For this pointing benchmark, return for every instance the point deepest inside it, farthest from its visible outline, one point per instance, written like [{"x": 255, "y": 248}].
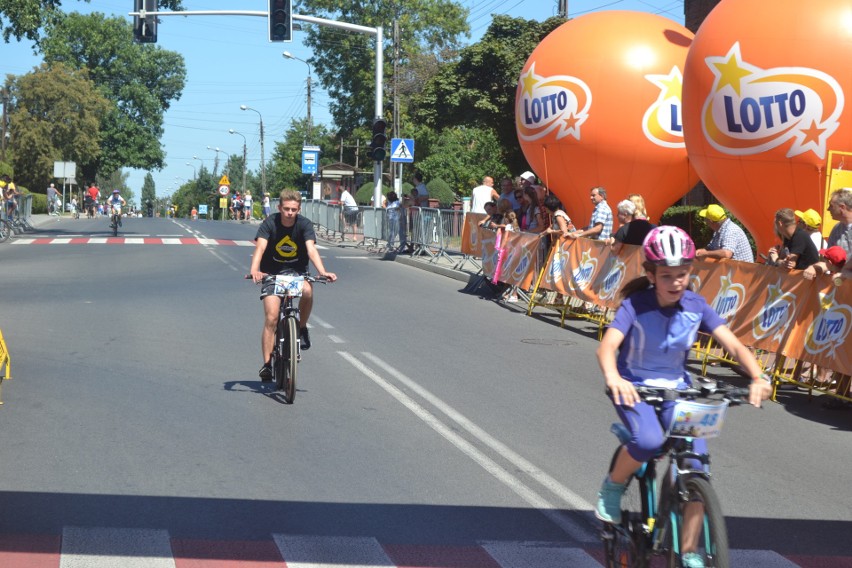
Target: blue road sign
[
  {"x": 310, "y": 159},
  {"x": 402, "y": 150}
]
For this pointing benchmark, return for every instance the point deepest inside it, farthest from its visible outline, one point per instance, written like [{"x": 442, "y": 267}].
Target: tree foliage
[
  {"x": 478, "y": 90},
  {"x": 149, "y": 190},
  {"x": 28, "y": 18},
  {"x": 285, "y": 167},
  {"x": 55, "y": 117},
  {"x": 345, "y": 61},
  {"x": 140, "y": 80}
]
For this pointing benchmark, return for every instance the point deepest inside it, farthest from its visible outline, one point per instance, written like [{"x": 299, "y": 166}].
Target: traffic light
[
  {"x": 377, "y": 143},
  {"x": 280, "y": 22},
  {"x": 145, "y": 28}
]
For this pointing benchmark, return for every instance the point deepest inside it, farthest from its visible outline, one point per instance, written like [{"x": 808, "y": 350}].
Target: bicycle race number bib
[
  {"x": 692, "y": 419},
  {"x": 289, "y": 285}
]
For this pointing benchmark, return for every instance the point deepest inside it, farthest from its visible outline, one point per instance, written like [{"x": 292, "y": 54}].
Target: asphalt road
[{"x": 424, "y": 416}]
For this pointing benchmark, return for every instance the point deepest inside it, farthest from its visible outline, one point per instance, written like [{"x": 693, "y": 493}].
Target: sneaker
[
  {"x": 609, "y": 502},
  {"x": 265, "y": 373},
  {"x": 305, "y": 338},
  {"x": 691, "y": 560}
]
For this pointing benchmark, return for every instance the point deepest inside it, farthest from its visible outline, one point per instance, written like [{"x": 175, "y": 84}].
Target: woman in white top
[
  {"x": 248, "y": 207},
  {"x": 562, "y": 224}
]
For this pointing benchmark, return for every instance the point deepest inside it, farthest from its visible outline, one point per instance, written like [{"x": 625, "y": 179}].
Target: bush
[
  {"x": 440, "y": 190},
  {"x": 39, "y": 201},
  {"x": 364, "y": 195}
]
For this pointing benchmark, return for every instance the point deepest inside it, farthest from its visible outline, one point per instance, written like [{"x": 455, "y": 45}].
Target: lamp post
[
  {"x": 194, "y": 172},
  {"x": 200, "y": 160},
  {"x": 216, "y": 161},
  {"x": 289, "y": 55},
  {"x": 232, "y": 131},
  {"x": 262, "y": 166}
]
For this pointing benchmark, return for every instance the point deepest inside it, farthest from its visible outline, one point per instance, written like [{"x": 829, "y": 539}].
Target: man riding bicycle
[
  {"x": 115, "y": 203},
  {"x": 293, "y": 243}
]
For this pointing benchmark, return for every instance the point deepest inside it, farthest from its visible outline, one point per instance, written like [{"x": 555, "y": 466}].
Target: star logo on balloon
[
  {"x": 558, "y": 103},
  {"x": 663, "y": 123},
  {"x": 750, "y": 110}
]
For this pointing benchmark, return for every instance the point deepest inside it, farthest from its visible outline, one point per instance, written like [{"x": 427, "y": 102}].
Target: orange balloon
[
  {"x": 598, "y": 104},
  {"x": 764, "y": 102}
]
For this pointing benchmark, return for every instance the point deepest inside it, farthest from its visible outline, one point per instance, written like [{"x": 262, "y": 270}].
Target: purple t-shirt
[{"x": 657, "y": 340}]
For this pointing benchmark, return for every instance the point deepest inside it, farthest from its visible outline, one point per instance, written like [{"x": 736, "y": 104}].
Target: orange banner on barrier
[
  {"x": 765, "y": 307},
  {"x": 470, "y": 243}
]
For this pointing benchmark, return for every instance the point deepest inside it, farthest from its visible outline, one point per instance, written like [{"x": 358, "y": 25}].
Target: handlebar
[
  {"x": 308, "y": 278},
  {"x": 721, "y": 391}
]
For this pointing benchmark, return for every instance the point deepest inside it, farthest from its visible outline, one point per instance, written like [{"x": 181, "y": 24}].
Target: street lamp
[
  {"x": 232, "y": 131},
  {"x": 200, "y": 160},
  {"x": 194, "y": 173},
  {"x": 262, "y": 166},
  {"x": 289, "y": 55},
  {"x": 216, "y": 160}
]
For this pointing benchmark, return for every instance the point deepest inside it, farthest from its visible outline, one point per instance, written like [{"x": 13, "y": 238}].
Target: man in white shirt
[
  {"x": 350, "y": 209},
  {"x": 482, "y": 194}
]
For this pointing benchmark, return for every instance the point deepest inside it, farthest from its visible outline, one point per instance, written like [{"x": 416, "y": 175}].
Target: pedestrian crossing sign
[{"x": 402, "y": 150}]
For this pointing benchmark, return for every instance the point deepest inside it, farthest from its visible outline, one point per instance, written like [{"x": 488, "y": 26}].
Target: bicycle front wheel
[
  {"x": 285, "y": 364},
  {"x": 5, "y": 231},
  {"x": 699, "y": 520}
]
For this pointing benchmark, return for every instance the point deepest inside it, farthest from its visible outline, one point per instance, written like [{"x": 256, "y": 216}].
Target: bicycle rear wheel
[
  {"x": 712, "y": 536},
  {"x": 5, "y": 231}
]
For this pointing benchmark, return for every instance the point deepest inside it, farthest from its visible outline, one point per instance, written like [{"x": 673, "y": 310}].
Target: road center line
[{"x": 548, "y": 509}]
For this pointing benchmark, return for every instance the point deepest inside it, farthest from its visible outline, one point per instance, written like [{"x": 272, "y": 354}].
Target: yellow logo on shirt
[{"x": 286, "y": 248}]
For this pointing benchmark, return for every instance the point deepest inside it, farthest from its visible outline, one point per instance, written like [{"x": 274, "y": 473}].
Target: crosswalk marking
[
  {"x": 131, "y": 241},
  {"x": 101, "y": 547},
  {"x": 110, "y": 547},
  {"x": 330, "y": 552}
]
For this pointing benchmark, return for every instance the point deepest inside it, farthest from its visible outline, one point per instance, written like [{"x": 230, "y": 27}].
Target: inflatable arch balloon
[
  {"x": 764, "y": 101},
  {"x": 598, "y": 103}
]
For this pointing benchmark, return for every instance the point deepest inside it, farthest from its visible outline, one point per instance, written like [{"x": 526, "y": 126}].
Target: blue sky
[{"x": 230, "y": 63}]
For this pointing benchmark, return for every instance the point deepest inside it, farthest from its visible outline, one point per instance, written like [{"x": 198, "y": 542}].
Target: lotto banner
[
  {"x": 765, "y": 307},
  {"x": 588, "y": 270},
  {"x": 519, "y": 252},
  {"x": 471, "y": 244}
]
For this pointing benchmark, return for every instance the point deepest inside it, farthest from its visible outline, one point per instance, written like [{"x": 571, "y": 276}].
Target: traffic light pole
[{"x": 379, "y": 109}]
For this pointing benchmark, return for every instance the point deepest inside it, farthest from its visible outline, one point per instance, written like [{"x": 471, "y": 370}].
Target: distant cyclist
[
  {"x": 115, "y": 202},
  {"x": 286, "y": 241}
]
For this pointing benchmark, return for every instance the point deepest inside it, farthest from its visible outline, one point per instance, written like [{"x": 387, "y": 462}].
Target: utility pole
[
  {"x": 563, "y": 8},
  {"x": 5, "y": 100},
  {"x": 396, "y": 169}
]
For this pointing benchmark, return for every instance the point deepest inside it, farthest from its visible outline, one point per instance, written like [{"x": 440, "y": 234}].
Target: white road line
[
  {"x": 521, "y": 463},
  {"x": 111, "y": 547},
  {"x": 134, "y": 241},
  {"x": 538, "y": 555},
  {"x": 545, "y": 507},
  {"x": 335, "y": 339},
  {"x": 60, "y": 241},
  {"x": 321, "y": 323},
  {"x": 171, "y": 241},
  {"x": 331, "y": 552}
]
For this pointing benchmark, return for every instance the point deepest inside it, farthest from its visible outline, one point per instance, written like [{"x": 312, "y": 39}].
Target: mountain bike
[
  {"x": 5, "y": 230},
  {"x": 116, "y": 221},
  {"x": 286, "y": 351},
  {"x": 654, "y": 515}
]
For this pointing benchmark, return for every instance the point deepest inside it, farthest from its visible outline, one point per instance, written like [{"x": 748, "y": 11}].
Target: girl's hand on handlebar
[
  {"x": 330, "y": 276},
  {"x": 758, "y": 391},
  {"x": 622, "y": 391},
  {"x": 257, "y": 276}
]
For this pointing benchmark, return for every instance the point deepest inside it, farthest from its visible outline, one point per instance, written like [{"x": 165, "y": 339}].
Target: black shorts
[{"x": 351, "y": 215}]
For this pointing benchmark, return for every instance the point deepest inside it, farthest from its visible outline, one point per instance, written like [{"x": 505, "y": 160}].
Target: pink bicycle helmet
[{"x": 668, "y": 246}]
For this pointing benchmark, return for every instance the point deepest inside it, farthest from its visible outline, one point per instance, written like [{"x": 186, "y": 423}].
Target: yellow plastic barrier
[{"x": 5, "y": 363}]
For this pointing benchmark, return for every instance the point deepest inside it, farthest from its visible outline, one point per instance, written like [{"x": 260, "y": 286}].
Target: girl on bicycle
[{"x": 647, "y": 343}]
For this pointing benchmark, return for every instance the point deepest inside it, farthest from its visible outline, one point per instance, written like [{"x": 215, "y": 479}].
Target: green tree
[
  {"x": 141, "y": 81},
  {"x": 29, "y": 18},
  {"x": 55, "y": 116},
  {"x": 461, "y": 156},
  {"x": 345, "y": 61},
  {"x": 285, "y": 168},
  {"x": 478, "y": 90},
  {"x": 149, "y": 190}
]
